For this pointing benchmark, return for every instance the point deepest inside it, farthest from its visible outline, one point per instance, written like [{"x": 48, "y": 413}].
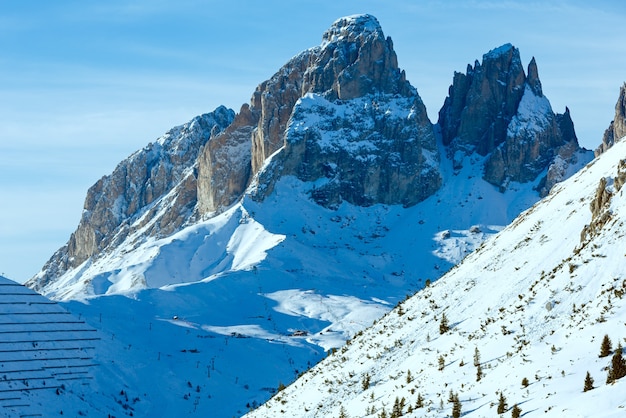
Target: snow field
[{"x": 534, "y": 300}]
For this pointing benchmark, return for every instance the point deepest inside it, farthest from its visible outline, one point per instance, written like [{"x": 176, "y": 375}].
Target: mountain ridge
[
  {"x": 385, "y": 149},
  {"x": 497, "y": 109},
  {"x": 318, "y": 207}
]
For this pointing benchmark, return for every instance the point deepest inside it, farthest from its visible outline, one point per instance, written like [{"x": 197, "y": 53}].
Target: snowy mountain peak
[
  {"x": 289, "y": 227},
  {"x": 351, "y": 28},
  {"x": 355, "y": 59},
  {"x": 355, "y": 62},
  {"x": 496, "y": 53}
]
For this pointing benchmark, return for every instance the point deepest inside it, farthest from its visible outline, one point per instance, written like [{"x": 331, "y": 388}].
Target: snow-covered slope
[
  {"x": 534, "y": 301},
  {"x": 282, "y": 280}
]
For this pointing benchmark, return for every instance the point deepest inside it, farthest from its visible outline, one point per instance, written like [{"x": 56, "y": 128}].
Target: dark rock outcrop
[
  {"x": 617, "y": 127},
  {"x": 481, "y": 103},
  {"x": 498, "y": 111},
  {"x": 361, "y": 132},
  {"x": 370, "y": 150},
  {"x": 601, "y": 212}
]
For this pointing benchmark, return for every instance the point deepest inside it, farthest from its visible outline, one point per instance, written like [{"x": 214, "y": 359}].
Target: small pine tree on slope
[
  {"x": 456, "y": 406},
  {"x": 617, "y": 370},
  {"x": 516, "y": 412},
  {"x": 343, "y": 413},
  {"x": 605, "y": 347},
  {"x": 588, "y": 383},
  {"x": 420, "y": 401},
  {"x": 444, "y": 326},
  {"x": 501, "y": 404}
]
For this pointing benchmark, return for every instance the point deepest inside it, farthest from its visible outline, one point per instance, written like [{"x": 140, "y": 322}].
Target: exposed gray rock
[
  {"x": 617, "y": 127},
  {"x": 375, "y": 149},
  {"x": 153, "y": 190},
  {"x": 601, "y": 212},
  {"x": 354, "y": 60},
  {"x": 497, "y": 111},
  {"x": 224, "y": 164},
  {"x": 481, "y": 103}
]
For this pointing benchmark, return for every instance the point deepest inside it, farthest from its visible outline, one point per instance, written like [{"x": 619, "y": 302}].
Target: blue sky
[{"x": 84, "y": 83}]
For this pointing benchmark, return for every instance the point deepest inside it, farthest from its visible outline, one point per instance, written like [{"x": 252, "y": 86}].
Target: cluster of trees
[{"x": 617, "y": 368}]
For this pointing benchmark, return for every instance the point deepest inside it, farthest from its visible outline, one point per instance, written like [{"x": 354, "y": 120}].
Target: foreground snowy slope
[{"x": 534, "y": 302}]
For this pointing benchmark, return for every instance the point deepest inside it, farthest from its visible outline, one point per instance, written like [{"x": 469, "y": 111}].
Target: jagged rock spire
[
  {"x": 498, "y": 111},
  {"x": 617, "y": 127},
  {"x": 533, "y": 78},
  {"x": 355, "y": 59},
  {"x": 481, "y": 103}
]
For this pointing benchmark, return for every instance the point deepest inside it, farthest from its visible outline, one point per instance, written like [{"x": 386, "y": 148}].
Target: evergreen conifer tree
[
  {"x": 343, "y": 413},
  {"x": 516, "y": 412},
  {"x": 451, "y": 396},
  {"x": 476, "y": 357},
  {"x": 443, "y": 325},
  {"x": 588, "y": 383},
  {"x": 420, "y": 401},
  {"x": 456, "y": 406},
  {"x": 605, "y": 347},
  {"x": 617, "y": 369},
  {"x": 479, "y": 372},
  {"x": 501, "y": 404},
  {"x": 396, "y": 411},
  {"x": 365, "y": 383}
]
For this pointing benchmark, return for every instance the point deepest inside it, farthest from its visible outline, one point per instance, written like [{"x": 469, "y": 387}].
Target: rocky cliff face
[
  {"x": 205, "y": 166},
  {"x": 617, "y": 127},
  {"x": 355, "y": 60},
  {"x": 482, "y": 102},
  {"x": 498, "y": 111},
  {"x": 152, "y": 193},
  {"x": 375, "y": 149},
  {"x": 361, "y": 132}
]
